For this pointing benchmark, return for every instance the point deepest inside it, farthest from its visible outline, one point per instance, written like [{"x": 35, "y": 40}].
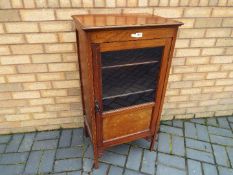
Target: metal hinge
[{"x": 97, "y": 107}]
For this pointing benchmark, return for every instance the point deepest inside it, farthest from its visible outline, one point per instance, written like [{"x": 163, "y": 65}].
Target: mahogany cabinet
[{"x": 124, "y": 63}]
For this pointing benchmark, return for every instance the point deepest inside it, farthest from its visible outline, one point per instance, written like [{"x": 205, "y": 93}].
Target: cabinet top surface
[{"x": 108, "y": 21}]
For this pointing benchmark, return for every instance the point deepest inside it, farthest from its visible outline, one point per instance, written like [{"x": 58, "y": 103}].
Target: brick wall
[{"x": 39, "y": 81}]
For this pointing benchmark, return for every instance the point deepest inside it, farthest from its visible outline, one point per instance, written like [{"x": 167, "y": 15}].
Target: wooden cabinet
[{"x": 124, "y": 63}]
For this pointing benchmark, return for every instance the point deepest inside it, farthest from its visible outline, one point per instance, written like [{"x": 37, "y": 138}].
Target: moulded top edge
[{"x": 108, "y": 21}]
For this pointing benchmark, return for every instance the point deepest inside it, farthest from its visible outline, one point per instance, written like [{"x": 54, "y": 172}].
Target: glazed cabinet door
[{"x": 128, "y": 78}]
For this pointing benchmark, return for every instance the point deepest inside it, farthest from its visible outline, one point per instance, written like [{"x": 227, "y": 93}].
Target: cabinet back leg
[
  {"x": 86, "y": 130},
  {"x": 152, "y": 143}
]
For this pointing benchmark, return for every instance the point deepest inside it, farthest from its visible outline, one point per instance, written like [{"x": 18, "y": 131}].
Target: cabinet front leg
[{"x": 96, "y": 156}]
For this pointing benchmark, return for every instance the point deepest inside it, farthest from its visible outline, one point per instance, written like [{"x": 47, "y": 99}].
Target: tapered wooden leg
[
  {"x": 152, "y": 143},
  {"x": 96, "y": 156}
]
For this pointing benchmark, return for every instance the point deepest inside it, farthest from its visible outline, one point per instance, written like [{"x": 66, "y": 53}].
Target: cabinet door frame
[{"x": 97, "y": 72}]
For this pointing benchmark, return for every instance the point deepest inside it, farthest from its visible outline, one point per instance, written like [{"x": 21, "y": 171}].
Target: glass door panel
[{"x": 129, "y": 77}]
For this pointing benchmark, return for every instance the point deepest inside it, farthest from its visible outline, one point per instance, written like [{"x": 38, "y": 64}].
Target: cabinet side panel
[
  {"x": 155, "y": 127},
  {"x": 87, "y": 78}
]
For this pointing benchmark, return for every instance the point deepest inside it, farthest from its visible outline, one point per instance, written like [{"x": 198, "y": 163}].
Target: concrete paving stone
[
  {"x": 89, "y": 152},
  {"x": 27, "y": 142},
  {"x": 171, "y": 130},
  {"x": 166, "y": 170},
  {"x": 164, "y": 143},
  {"x": 148, "y": 162},
  {"x": 115, "y": 170},
  {"x": 199, "y": 145},
  {"x": 5, "y": 138},
  {"x": 132, "y": 172},
  {"x": 194, "y": 167},
  {"x": 225, "y": 171},
  {"x": 221, "y": 155},
  {"x": 142, "y": 143},
  {"x": 11, "y": 169},
  {"x": 86, "y": 142},
  {"x": 211, "y": 121},
  {"x": 45, "y": 144},
  {"x": 14, "y": 158},
  {"x": 33, "y": 162},
  {"x": 46, "y": 163},
  {"x": 168, "y": 122},
  {"x": 178, "y": 145},
  {"x": 14, "y": 143},
  {"x": 65, "y": 153},
  {"x": 68, "y": 165},
  {"x": 231, "y": 124},
  {"x": 113, "y": 158},
  {"x": 87, "y": 164},
  {"x": 102, "y": 170},
  {"x": 221, "y": 140},
  {"x": 199, "y": 121},
  {"x": 75, "y": 173},
  {"x": 120, "y": 149},
  {"x": 134, "y": 158},
  {"x": 230, "y": 119},
  {"x": 220, "y": 131},
  {"x": 47, "y": 135},
  {"x": 190, "y": 130},
  {"x": 65, "y": 139},
  {"x": 171, "y": 160},
  {"x": 2, "y": 148},
  {"x": 199, "y": 155},
  {"x": 178, "y": 123},
  {"x": 77, "y": 137},
  {"x": 202, "y": 133},
  {"x": 223, "y": 123},
  {"x": 209, "y": 169},
  {"x": 230, "y": 154}
]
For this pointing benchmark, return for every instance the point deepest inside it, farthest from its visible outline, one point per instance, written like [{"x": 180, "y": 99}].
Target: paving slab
[
  {"x": 220, "y": 155},
  {"x": 209, "y": 169},
  {"x": 45, "y": 144},
  {"x": 68, "y": 165},
  {"x": 184, "y": 147},
  {"x": 134, "y": 158},
  {"x": 5, "y": 138},
  {"x": 115, "y": 170},
  {"x": 148, "y": 162},
  {"x": 14, "y": 158},
  {"x": 200, "y": 155},
  {"x": 14, "y": 143},
  {"x": 166, "y": 170},
  {"x": 113, "y": 158},
  {"x": 172, "y": 161},
  {"x": 194, "y": 167},
  {"x": 65, "y": 139},
  {"x": 47, "y": 135}
]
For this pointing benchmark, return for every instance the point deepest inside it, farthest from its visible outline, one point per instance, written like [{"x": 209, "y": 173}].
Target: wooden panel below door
[{"x": 127, "y": 122}]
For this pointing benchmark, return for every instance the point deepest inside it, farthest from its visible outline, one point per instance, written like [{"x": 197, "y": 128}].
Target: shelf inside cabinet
[
  {"x": 124, "y": 80},
  {"x": 128, "y": 100},
  {"x": 131, "y": 57},
  {"x": 131, "y": 64}
]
